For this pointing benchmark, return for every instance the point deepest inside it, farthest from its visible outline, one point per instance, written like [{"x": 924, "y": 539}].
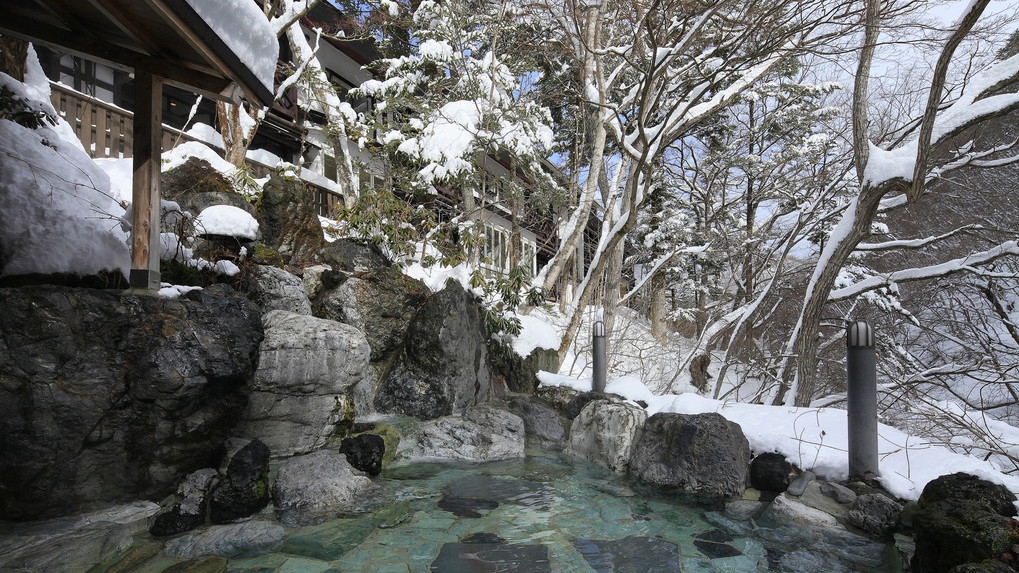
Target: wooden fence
[{"x": 105, "y": 130}]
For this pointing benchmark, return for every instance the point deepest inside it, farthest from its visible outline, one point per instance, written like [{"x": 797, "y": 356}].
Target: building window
[{"x": 495, "y": 252}]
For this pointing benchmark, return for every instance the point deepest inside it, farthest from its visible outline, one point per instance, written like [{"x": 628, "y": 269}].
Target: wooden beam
[
  {"x": 206, "y": 84},
  {"x": 148, "y": 133}
]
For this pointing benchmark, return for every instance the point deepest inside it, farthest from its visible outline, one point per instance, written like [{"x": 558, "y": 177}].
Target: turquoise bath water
[{"x": 550, "y": 514}]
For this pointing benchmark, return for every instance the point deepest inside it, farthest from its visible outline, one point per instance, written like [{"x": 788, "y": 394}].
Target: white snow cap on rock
[{"x": 227, "y": 220}]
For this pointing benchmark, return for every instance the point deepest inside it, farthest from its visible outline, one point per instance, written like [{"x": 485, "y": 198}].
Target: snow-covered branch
[{"x": 962, "y": 264}]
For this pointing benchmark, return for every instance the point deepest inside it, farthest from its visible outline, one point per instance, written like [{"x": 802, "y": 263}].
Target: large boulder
[
  {"x": 273, "y": 288},
  {"x": 961, "y": 519},
  {"x": 546, "y": 428},
  {"x": 289, "y": 220},
  {"x": 379, "y": 303},
  {"x": 605, "y": 432},
  {"x": 319, "y": 486},
  {"x": 352, "y": 257},
  {"x": 481, "y": 434},
  {"x": 301, "y": 392},
  {"x": 700, "y": 454},
  {"x": 244, "y": 539},
  {"x": 442, "y": 366},
  {"x": 73, "y": 544},
  {"x": 106, "y": 397},
  {"x": 516, "y": 373}
]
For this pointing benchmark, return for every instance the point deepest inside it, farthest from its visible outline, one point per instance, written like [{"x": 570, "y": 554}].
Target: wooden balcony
[{"x": 105, "y": 131}]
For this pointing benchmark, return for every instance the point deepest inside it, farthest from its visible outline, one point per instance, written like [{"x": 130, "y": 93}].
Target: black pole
[
  {"x": 598, "y": 352},
  {"x": 861, "y": 370}
]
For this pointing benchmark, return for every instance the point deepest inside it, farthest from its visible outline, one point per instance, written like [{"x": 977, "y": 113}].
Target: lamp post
[
  {"x": 598, "y": 352},
  {"x": 861, "y": 371}
]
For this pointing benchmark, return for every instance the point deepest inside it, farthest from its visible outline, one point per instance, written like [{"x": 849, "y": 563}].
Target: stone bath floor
[
  {"x": 543, "y": 514},
  {"x": 546, "y": 514}
]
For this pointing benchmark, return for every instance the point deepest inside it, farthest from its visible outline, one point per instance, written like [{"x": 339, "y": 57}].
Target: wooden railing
[{"x": 105, "y": 130}]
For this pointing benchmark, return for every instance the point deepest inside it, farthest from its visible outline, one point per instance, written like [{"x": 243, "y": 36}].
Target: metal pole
[
  {"x": 598, "y": 350},
  {"x": 861, "y": 370}
]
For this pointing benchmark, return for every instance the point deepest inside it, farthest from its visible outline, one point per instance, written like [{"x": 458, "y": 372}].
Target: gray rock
[
  {"x": 307, "y": 370},
  {"x": 545, "y": 428},
  {"x": 305, "y": 355},
  {"x": 272, "y": 288},
  {"x": 380, "y": 303},
  {"x": 288, "y": 220},
  {"x": 605, "y": 433},
  {"x": 876, "y": 514},
  {"x": 292, "y": 425},
  {"x": 799, "y": 485},
  {"x": 106, "y": 396},
  {"x": 813, "y": 497},
  {"x": 481, "y": 434},
  {"x": 442, "y": 366},
  {"x": 702, "y": 454},
  {"x": 319, "y": 486},
  {"x": 838, "y": 492},
  {"x": 73, "y": 544},
  {"x": 786, "y": 509},
  {"x": 346, "y": 255},
  {"x": 189, "y": 511},
  {"x": 234, "y": 540}
]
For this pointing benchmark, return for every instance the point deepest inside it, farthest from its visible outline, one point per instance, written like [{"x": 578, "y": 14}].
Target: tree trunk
[
  {"x": 237, "y": 126},
  {"x": 13, "y": 57},
  {"x": 657, "y": 312}
]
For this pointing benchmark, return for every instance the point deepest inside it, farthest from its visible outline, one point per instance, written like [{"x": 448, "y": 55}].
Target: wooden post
[{"x": 148, "y": 132}]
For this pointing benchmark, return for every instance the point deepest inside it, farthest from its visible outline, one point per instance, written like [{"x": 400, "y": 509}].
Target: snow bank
[
  {"x": 59, "y": 213},
  {"x": 813, "y": 438}
]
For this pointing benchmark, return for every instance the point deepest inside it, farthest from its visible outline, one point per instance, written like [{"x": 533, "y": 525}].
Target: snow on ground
[{"x": 813, "y": 438}]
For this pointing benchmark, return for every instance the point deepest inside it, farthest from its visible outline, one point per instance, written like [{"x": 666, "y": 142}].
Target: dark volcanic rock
[
  {"x": 244, "y": 490},
  {"x": 107, "y": 397},
  {"x": 702, "y": 454},
  {"x": 380, "y": 303},
  {"x": 770, "y": 472},
  {"x": 364, "y": 452},
  {"x": 348, "y": 256},
  {"x": 961, "y": 519},
  {"x": 442, "y": 367},
  {"x": 991, "y": 496},
  {"x": 288, "y": 219}
]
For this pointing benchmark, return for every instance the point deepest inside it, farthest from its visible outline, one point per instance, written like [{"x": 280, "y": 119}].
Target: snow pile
[
  {"x": 59, "y": 213},
  {"x": 246, "y": 31}
]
